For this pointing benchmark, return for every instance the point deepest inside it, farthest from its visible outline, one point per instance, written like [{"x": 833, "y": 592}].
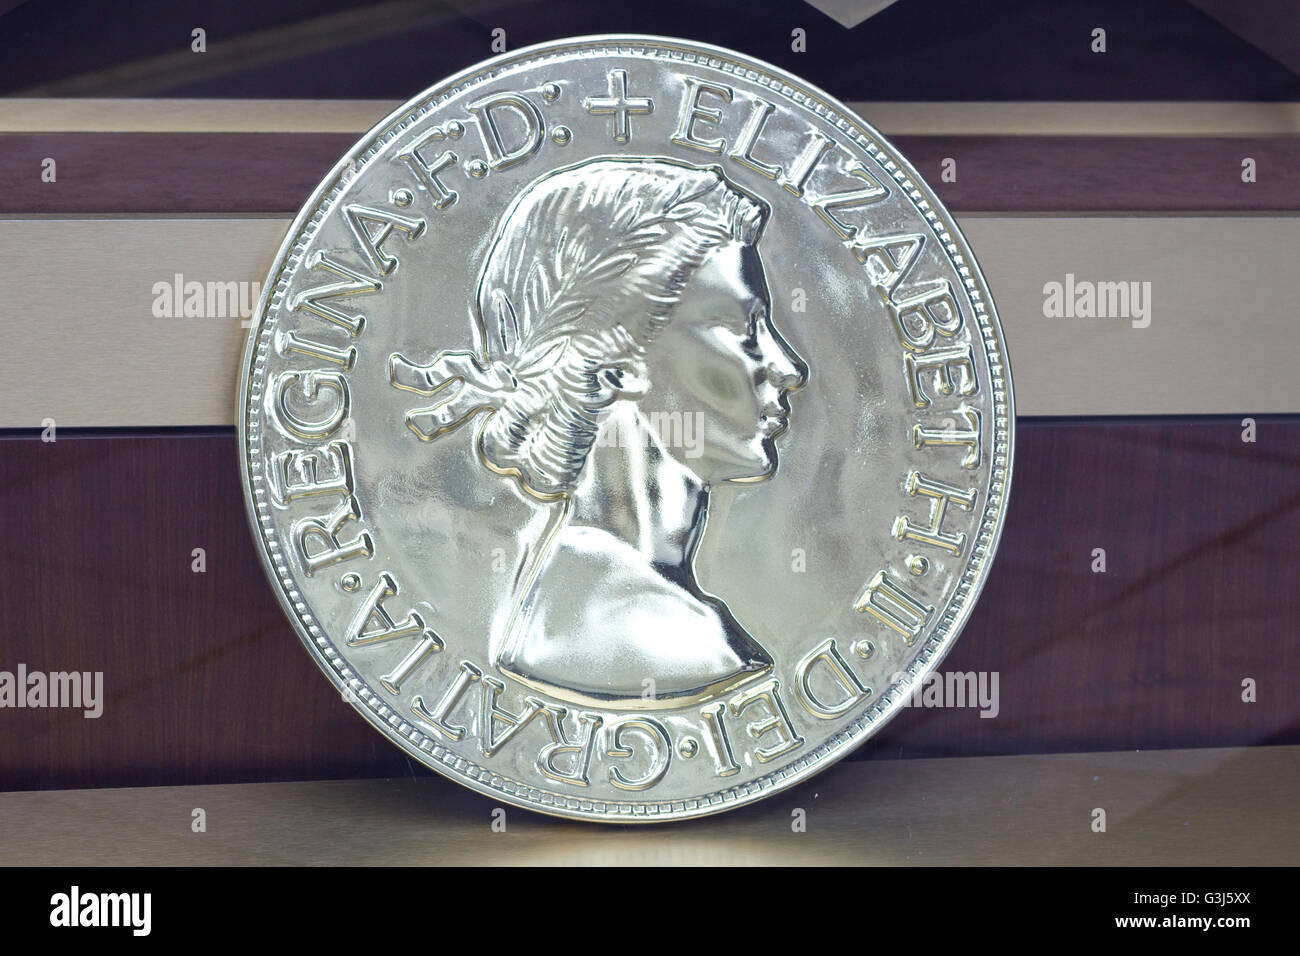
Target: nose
[{"x": 786, "y": 370}]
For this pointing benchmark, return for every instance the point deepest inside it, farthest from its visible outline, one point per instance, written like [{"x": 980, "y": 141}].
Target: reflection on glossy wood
[{"x": 1165, "y": 808}]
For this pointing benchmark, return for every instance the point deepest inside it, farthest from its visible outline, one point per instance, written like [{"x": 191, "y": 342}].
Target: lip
[{"x": 776, "y": 416}]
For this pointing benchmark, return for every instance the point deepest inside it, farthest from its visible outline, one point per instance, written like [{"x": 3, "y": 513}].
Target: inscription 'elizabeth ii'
[{"x": 611, "y": 285}]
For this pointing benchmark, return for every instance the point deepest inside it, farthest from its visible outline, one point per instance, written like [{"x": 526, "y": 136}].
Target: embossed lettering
[
  {"x": 692, "y": 111},
  {"x": 430, "y": 173},
  {"x": 940, "y": 495},
  {"x": 429, "y": 645},
  {"x": 373, "y": 613},
  {"x": 313, "y": 382},
  {"x": 307, "y": 464},
  {"x": 499, "y": 156},
  {"x": 492, "y": 713},
  {"x": 969, "y": 436},
  {"x": 355, "y": 284},
  {"x": 871, "y": 193},
  {"x": 777, "y": 721},
  {"x": 658, "y": 743},
  {"x": 325, "y": 531},
  {"x": 714, "y": 717},
  {"x": 288, "y": 343},
  {"x": 797, "y": 177},
  {"x": 437, "y": 718},
  {"x": 827, "y": 654},
  {"x": 744, "y": 149},
  {"x": 884, "y": 600},
  {"x": 920, "y": 318},
  {"x": 944, "y": 362},
  {"x": 579, "y": 773},
  {"x": 888, "y": 258},
  {"x": 361, "y": 218}
]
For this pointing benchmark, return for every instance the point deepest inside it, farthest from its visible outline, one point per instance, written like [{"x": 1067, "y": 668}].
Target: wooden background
[
  {"x": 276, "y": 173},
  {"x": 206, "y": 682}
]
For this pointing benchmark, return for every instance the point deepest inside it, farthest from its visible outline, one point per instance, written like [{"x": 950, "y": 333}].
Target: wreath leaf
[
  {"x": 604, "y": 269},
  {"x": 562, "y": 289}
]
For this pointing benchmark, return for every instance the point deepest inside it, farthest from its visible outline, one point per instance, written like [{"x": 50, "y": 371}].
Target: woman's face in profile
[{"x": 722, "y": 364}]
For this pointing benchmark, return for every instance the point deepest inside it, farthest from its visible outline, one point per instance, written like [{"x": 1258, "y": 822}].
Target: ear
[{"x": 626, "y": 380}]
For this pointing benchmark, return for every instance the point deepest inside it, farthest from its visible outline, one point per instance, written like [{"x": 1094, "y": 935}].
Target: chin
[{"x": 763, "y": 466}]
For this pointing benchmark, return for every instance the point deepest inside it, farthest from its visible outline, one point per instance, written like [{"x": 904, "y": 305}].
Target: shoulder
[
  {"x": 609, "y": 583},
  {"x": 602, "y": 622}
]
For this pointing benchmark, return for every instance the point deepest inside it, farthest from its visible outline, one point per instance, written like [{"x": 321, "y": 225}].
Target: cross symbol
[{"x": 619, "y": 105}]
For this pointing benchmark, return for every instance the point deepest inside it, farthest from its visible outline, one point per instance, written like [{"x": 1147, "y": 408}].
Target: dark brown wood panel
[
  {"x": 936, "y": 50},
  {"x": 230, "y": 173},
  {"x": 205, "y": 681}
]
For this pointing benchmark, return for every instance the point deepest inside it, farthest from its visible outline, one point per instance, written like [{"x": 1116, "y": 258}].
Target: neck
[{"x": 635, "y": 490}]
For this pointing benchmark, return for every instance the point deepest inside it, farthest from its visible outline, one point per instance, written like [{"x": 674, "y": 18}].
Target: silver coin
[{"x": 626, "y": 428}]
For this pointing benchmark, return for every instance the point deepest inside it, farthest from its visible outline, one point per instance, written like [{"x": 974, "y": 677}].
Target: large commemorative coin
[{"x": 626, "y": 428}]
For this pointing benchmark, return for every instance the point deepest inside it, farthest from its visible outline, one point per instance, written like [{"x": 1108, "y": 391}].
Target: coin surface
[{"x": 626, "y": 428}]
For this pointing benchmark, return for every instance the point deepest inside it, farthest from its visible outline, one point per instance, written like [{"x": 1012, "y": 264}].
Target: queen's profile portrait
[{"x": 617, "y": 294}]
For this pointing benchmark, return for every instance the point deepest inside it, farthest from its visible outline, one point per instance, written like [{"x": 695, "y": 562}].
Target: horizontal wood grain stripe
[
  {"x": 85, "y": 348},
  {"x": 1163, "y": 808},
  {"x": 205, "y": 681},
  {"x": 165, "y": 173},
  {"x": 131, "y": 115},
  {"x": 176, "y": 172},
  {"x": 893, "y": 118}
]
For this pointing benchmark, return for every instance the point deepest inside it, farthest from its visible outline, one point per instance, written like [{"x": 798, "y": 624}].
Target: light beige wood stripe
[
  {"x": 51, "y": 115},
  {"x": 84, "y": 347},
  {"x": 967, "y": 811}
]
